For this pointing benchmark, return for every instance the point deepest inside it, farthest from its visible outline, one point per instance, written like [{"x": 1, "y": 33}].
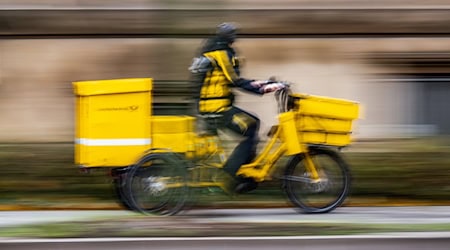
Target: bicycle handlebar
[{"x": 282, "y": 97}]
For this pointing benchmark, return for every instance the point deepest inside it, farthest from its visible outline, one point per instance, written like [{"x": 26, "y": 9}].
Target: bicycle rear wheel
[
  {"x": 317, "y": 196},
  {"x": 119, "y": 188},
  {"x": 157, "y": 185}
]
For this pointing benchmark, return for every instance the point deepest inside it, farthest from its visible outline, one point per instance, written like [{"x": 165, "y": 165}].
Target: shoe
[{"x": 246, "y": 185}]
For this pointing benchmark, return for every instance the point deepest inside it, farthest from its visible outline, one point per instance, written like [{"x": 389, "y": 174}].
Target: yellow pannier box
[
  {"x": 176, "y": 133},
  {"x": 112, "y": 127},
  {"x": 324, "y": 120}
]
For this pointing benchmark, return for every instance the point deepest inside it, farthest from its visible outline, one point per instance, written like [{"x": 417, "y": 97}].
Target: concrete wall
[{"x": 324, "y": 47}]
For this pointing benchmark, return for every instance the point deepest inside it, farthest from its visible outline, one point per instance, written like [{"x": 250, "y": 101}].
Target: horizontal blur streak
[
  {"x": 340, "y": 49},
  {"x": 225, "y": 4},
  {"x": 198, "y": 22}
]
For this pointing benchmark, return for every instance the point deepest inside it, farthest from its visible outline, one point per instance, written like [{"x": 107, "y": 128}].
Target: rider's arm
[{"x": 223, "y": 60}]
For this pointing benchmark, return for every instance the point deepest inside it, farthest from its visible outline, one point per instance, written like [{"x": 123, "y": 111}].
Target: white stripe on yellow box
[{"x": 113, "y": 142}]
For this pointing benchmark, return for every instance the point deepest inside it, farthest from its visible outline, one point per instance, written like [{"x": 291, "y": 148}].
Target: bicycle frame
[{"x": 262, "y": 167}]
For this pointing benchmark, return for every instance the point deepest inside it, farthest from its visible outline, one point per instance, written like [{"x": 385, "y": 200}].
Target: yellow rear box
[
  {"x": 176, "y": 133},
  {"x": 112, "y": 127},
  {"x": 324, "y": 120}
]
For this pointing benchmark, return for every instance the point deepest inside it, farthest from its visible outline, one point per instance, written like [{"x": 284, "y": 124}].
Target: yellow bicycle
[{"x": 311, "y": 130}]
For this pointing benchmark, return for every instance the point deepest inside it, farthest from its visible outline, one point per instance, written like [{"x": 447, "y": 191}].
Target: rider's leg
[{"x": 247, "y": 125}]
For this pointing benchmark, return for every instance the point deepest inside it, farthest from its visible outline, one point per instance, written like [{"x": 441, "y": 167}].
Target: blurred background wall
[{"x": 391, "y": 56}]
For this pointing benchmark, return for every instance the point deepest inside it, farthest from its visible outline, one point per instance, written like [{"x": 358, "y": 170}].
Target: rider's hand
[
  {"x": 258, "y": 83},
  {"x": 272, "y": 87}
]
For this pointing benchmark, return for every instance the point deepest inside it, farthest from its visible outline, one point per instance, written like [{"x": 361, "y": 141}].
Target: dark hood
[{"x": 215, "y": 43}]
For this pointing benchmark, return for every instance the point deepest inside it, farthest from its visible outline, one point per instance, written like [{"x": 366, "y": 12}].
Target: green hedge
[{"x": 45, "y": 172}]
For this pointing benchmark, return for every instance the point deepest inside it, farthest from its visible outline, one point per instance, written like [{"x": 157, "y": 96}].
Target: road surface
[
  {"x": 377, "y": 242},
  {"x": 363, "y": 215}
]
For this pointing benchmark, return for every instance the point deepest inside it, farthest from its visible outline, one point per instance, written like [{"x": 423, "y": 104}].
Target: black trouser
[{"x": 246, "y": 125}]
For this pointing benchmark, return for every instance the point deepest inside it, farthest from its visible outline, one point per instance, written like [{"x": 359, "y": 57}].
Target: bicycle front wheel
[
  {"x": 157, "y": 185},
  {"x": 321, "y": 195}
]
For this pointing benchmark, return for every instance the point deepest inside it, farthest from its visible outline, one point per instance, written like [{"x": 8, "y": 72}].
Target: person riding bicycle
[{"x": 216, "y": 70}]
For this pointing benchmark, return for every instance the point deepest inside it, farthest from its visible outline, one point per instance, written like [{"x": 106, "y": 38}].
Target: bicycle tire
[
  {"x": 322, "y": 196},
  {"x": 119, "y": 189},
  {"x": 157, "y": 184}
]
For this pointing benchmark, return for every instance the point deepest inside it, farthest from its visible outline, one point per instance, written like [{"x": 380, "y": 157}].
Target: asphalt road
[
  {"x": 380, "y": 242},
  {"x": 363, "y": 215}
]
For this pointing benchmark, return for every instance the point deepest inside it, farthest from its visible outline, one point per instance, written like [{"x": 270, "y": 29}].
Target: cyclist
[{"x": 216, "y": 71}]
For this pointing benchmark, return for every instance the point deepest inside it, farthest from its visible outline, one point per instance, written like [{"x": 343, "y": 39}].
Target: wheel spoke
[{"x": 297, "y": 179}]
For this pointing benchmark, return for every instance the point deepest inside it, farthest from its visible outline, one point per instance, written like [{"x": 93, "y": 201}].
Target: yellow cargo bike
[{"x": 157, "y": 160}]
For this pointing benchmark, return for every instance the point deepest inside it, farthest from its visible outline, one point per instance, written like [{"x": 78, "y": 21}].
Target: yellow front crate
[
  {"x": 112, "y": 127},
  {"x": 176, "y": 133},
  {"x": 324, "y": 120},
  {"x": 326, "y": 107}
]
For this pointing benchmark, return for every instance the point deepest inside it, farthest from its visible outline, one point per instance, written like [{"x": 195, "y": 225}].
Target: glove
[
  {"x": 271, "y": 87},
  {"x": 258, "y": 83}
]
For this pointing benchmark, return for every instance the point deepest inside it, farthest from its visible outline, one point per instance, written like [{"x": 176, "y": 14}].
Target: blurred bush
[{"x": 43, "y": 174}]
